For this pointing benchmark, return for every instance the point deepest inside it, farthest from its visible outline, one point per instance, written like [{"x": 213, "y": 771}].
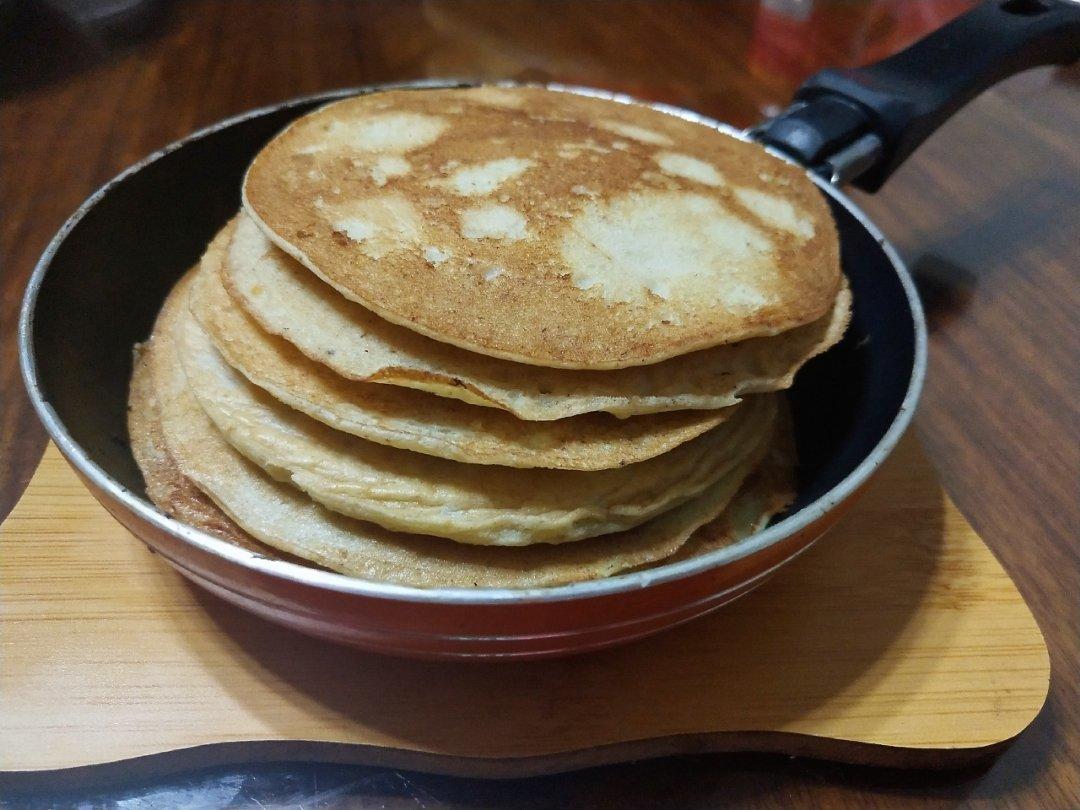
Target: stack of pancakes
[{"x": 491, "y": 337}]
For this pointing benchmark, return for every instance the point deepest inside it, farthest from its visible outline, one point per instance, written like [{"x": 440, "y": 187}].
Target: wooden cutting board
[{"x": 898, "y": 640}]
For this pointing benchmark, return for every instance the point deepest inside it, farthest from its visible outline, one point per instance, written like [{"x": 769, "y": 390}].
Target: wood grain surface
[
  {"x": 987, "y": 214},
  {"x": 899, "y": 640}
]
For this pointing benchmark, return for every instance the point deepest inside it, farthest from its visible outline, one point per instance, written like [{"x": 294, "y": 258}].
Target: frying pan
[{"x": 99, "y": 285}]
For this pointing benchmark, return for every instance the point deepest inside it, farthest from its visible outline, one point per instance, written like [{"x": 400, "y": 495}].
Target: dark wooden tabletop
[{"x": 987, "y": 213}]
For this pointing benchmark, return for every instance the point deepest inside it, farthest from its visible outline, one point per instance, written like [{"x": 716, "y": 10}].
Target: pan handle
[{"x": 860, "y": 124}]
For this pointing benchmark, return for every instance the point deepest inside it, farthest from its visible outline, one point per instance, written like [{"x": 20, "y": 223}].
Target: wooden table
[{"x": 987, "y": 213}]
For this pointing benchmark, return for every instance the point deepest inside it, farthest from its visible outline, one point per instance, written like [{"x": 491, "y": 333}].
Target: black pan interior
[
  {"x": 108, "y": 277},
  {"x": 845, "y": 400}
]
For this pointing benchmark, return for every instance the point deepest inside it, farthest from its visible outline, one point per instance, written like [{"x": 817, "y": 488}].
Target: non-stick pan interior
[
  {"x": 845, "y": 400},
  {"x": 111, "y": 272}
]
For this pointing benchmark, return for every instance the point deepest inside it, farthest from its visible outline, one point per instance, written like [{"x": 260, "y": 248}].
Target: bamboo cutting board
[{"x": 898, "y": 640}]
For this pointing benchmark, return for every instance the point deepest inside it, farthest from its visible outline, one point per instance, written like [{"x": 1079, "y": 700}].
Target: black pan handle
[{"x": 859, "y": 124}]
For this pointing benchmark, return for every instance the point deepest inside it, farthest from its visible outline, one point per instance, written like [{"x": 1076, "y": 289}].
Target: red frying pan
[{"x": 100, "y": 283}]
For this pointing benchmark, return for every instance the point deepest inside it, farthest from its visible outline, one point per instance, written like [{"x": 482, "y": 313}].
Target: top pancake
[{"x": 547, "y": 227}]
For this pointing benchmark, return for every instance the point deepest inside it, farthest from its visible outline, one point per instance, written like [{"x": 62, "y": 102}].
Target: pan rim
[{"x": 343, "y": 584}]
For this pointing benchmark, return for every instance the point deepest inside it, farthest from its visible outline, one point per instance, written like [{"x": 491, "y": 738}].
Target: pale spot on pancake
[
  {"x": 622, "y": 146},
  {"x": 493, "y": 273},
  {"x": 495, "y": 97},
  {"x": 660, "y": 179},
  {"x": 386, "y": 132},
  {"x": 555, "y": 119},
  {"x": 433, "y": 255},
  {"x": 738, "y": 296},
  {"x": 311, "y": 149},
  {"x": 661, "y": 290},
  {"x": 635, "y": 133},
  {"x": 586, "y": 146},
  {"x": 672, "y": 244},
  {"x": 356, "y": 229},
  {"x": 484, "y": 178},
  {"x": 689, "y": 168},
  {"x": 387, "y": 166},
  {"x": 776, "y": 211},
  {"x": 493, "y": 222},
  {"x": 582, "y": 191},
  {"x": 380, "y": 225},
  {"x": 574, "y": 149}
]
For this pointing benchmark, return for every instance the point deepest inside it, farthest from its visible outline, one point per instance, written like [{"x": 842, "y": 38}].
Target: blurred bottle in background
[{"x": 792, "y": 39}]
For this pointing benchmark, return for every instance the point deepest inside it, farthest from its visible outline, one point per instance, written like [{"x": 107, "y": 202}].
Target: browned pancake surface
[{"x": 547, "y": 227}]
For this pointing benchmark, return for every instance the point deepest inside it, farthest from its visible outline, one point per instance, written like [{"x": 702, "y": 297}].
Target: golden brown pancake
[
  {"x": 422, "y": 494},
  {"x": 547, "y": 227},
  {"x": 767, "y": 491},
  {"x": 173, "y": 494},
  {"x": 424, "y": 564},
  {"x": 418, "y": 421},
  {"x": 283, "y": 517},
  {"x": 353, "y": 342}
]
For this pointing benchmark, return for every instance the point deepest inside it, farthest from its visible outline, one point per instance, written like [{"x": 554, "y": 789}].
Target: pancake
[
  {"x": 173, "y": 494},
  {"x": 469, "y": 503},
  {"x": 418, "y": 421},
  {"x": 282, "y": 517},
  {"x": 767, "y": 491},
  {"x": 547, "y": 227},
  {"x": 291, "y": 302},
  {"x": 425, "y": 562}
]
